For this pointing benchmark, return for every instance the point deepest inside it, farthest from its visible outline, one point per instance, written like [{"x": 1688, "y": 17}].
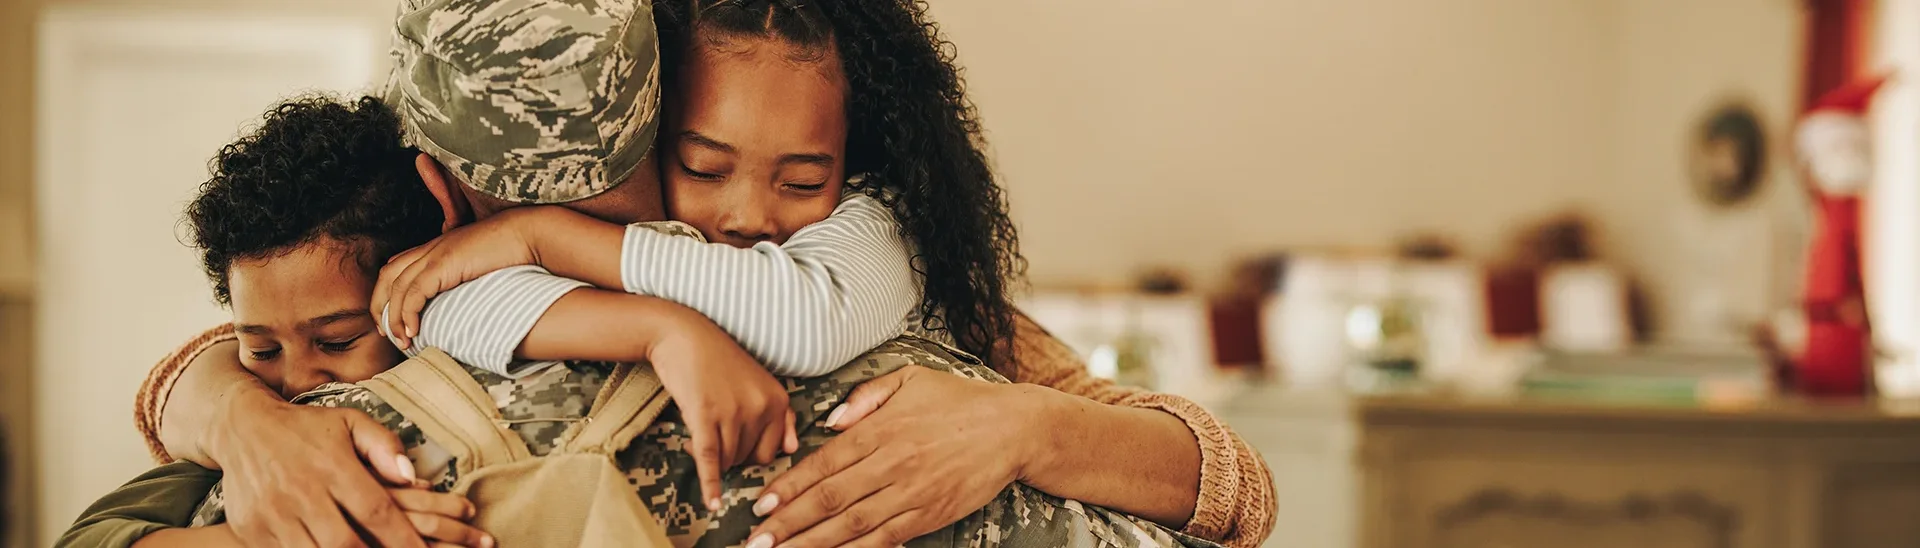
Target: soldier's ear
[{"x": 453, "y": 203}]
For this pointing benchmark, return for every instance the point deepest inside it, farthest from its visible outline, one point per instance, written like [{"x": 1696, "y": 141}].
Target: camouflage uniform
[{"x": 663, "y": 473}]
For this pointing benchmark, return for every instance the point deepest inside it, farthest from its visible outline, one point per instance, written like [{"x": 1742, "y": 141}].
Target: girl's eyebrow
[
  {"x": 333, "y": 318},
  {"x": 696, "y": 139},
  {"x": 816, "y": 158}
]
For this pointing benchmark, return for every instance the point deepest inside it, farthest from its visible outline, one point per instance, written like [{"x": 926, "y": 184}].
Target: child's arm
[
  {"x": 733, "y": 408},
  {"x": 161, "y": 499},
  {"x": 836, "y": 288},
  {"x": 833, "y": 291},
  {"x": 481, "y": 323}
]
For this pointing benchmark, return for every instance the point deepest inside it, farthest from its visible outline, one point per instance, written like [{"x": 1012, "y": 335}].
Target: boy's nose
[{"x": 301, "y": 379}]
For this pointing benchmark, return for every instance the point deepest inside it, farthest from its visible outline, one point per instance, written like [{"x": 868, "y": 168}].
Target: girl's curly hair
[
  {"x": 316, "y": 168},
  {"x": 911, "y": 129}
]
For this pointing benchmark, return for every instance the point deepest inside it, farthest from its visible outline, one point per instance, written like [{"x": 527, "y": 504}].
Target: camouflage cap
[{"x": 529, "y": 101}]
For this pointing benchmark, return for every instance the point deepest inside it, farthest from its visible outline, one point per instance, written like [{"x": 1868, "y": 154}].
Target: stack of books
[{"x": 1652, "y": 376}]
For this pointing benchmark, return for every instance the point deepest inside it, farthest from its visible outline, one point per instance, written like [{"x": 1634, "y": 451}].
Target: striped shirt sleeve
[
  {"x": 480, "y": 322},
  {"x": 834, "y": 290}
]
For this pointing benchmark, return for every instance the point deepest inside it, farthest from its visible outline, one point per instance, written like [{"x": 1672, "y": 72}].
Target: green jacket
[{"x": 161, "y": 498}]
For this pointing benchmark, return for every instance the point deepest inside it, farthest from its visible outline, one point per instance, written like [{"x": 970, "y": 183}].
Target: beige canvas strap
[
  {"x": 632, "y": 398},
  {"x": 452, "y": 410}
]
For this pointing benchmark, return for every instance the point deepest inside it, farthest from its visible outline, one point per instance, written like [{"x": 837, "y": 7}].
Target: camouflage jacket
[{"x": 664, "y": 474}]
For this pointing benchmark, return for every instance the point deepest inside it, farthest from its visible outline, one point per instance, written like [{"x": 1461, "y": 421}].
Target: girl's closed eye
[
  {"x": 698, "y": 175},
  {"x": 807, "y": 187},
  {"x": 264, "y": 354}
]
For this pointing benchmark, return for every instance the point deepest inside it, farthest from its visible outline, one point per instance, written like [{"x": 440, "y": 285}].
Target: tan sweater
[{"x": 1236, "y": 505}]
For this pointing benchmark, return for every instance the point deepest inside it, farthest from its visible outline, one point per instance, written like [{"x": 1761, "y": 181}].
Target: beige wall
[
  {"x": 1706, "y": 269},
  {"x": 1253, "y": 125},
  {"x": 1250, "y": 125}
]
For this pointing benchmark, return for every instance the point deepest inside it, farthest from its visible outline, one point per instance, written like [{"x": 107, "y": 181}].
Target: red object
[
  {"x": 1836, "y": 360},
  {"x": 1851, "y": 98},
  {"x": 1513, "y": 303},
  {"x": 1834, "y": 31},
  {"x": 1236, "y": 332}
]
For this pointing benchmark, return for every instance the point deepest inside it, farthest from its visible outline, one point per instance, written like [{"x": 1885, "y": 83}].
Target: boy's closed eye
[{"x": 339, "y": 344}]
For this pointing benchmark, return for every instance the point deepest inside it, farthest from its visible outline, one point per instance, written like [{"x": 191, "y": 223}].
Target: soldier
[{"x": 575, "y": 158}]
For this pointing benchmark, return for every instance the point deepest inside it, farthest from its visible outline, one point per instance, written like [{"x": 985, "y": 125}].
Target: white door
[
  {"x": 131, "y": 108},
  {"x": 1892, "y": 227}
]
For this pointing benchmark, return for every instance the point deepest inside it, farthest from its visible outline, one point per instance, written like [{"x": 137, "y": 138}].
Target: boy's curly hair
[
  {"x": 911, "y": 128},
  {"x": 316, "y": 168}
]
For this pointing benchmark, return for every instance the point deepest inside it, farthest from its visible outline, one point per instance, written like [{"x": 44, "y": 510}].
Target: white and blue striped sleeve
[
  {"x": 834, "y": 290},
  {"x": 481, "y": 322}
]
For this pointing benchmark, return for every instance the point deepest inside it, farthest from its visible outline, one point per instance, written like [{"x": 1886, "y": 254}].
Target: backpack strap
[
  {"x": 632, "y": 398},
  {"x": 452, "y": 410}
]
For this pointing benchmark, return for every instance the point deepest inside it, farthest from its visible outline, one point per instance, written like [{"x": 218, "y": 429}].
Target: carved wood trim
[{"x": 1637, "y": 507}]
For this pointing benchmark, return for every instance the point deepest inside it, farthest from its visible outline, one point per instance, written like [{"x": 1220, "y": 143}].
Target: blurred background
[{"x": 1468, "y": 272}]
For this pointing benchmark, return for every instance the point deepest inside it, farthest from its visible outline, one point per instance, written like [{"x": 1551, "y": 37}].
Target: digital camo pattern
[
  {"x": 529, "y": 101},
  {"x": 672, "y": 228},
  {"x": 663, "y": 473},
  {"x": 530, "y": 406},
  {"x": 1021, "y": 516}
]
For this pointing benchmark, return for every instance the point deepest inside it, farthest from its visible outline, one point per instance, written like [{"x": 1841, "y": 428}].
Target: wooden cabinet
[
  {"x": 1445, "y": 472},
  {"x": 1308, "y": 441}
]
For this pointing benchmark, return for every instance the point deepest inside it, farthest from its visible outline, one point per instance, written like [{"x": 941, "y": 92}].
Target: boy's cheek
[
  {"x": 382, "y": 357},
  {"x": 267, "y": 374}
]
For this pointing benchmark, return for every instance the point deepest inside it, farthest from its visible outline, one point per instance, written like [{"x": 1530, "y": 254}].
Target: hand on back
[{"x": 298, "y": 476}]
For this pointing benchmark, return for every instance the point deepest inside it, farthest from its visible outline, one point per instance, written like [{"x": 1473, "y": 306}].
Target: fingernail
[
  {"x": 762, "y": 541},
  {"x": 411, "y": 332},
  {"x": 766, "y": 504},
  {"x": 713, "y": 504},
  {"x": 834, "y": 417},
  {"x": 405, "y": 465},
  {"x": 486, "y": 541}
]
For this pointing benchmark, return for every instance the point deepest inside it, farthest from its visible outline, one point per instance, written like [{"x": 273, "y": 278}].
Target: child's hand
[
  {"x": 733, "y": 408},
  {"x": 457, "y": 257},
  {"x": 440, "y": 518}
]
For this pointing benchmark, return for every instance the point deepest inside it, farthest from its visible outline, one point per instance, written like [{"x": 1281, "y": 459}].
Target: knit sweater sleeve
[
  {"x": 151, "y": 400},
  {"x": 1236, "y": 506}
]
